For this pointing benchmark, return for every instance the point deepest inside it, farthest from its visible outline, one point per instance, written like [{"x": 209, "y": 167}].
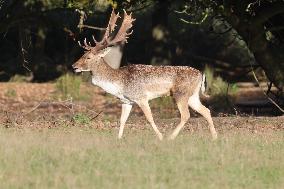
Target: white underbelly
[
  {"x": 109, "y": 87},
  {"x": 153, "y": 95}
]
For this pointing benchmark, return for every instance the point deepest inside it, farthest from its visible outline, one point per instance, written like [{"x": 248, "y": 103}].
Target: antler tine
[
  {"x": 111, "y": 24},
  {"x": 80, "y": 44},
  {"x": 127, "y": 36},
  {"x": 109, "y": 29},
  {"x": 96, "y": 42},
  {"x": 86, "y": 47},
  {"x": 122, "y": 34},
  {"x": 130, "y": 32},
  {"x": 85, "y": 43}
]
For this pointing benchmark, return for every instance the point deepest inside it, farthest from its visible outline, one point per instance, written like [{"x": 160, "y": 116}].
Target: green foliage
[
  {"x": 216, "y": 86},
  {"x": 234, "y": 88},
  {"x": 219, "y": 86},
  {"x": 81, "y": 4},
  {"x": 47, "y": 27},
  {"x": 90, "y": 6},
  {"x": 87, "y": 5},
  {"x": 45, "y": 4},
  {"x": 68, "y": 86},
  {"x": 10, "y": 93},
  {"x": 221, "y": 92},
  {"x": 164, "y": 105},
  {"x": 165, "y": 101},
  {"x": 81, "y": 119},
  {"x": 18, "y": 78}
]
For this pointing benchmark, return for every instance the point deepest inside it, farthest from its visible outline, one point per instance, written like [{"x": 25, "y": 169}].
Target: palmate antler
[{"x": 121, "y": 35}]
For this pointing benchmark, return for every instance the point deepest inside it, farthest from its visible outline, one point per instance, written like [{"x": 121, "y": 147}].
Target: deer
[{"x": 138, "y": 83}]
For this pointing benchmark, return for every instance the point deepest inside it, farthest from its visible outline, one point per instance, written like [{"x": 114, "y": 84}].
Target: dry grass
[
  {"x": 59, "y": 145},
  {"x": 82, "y": 157}
]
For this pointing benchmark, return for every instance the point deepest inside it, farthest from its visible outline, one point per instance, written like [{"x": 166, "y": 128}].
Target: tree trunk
[
  {"x": 159, "y": 52},
  {"x": 252, "y": 30},
  {"x": 268, "y": 58}
]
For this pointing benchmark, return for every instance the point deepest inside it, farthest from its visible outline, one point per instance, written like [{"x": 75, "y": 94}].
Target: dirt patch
[{"x": 28, "y": 105}]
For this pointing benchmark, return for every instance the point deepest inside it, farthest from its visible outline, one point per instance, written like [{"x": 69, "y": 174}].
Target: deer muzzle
[{"x": 76, "y": 68}]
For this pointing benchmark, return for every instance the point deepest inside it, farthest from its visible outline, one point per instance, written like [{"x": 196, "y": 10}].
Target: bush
[
  {"x": 68, "y": 86},
  {"x": 221, "y": 92},
  {"x": 20, "y": 78},
  {"x": 81, "y": 119},
  {"x": 10, "y": 93},
  {"x": 216, "y": 86}
]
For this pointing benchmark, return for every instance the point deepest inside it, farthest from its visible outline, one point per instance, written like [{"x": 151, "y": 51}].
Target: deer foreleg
[
  {"x": 126, "y": 108},
  {"x": 144, "y": 105}
]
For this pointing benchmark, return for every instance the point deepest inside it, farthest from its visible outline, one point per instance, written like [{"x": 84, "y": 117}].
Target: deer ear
[{"x": 104, "y": 52}]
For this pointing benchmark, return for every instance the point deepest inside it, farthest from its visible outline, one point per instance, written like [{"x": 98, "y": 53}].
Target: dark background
[{"x": 38, "y": 39}]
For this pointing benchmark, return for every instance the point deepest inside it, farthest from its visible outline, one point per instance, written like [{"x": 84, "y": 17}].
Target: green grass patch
[
  {"x": 10, "y": 93},
  {"x": 216, "y": 86},
  {"x": 165, "y": 106},
  {"x": 68, "y": 86},
  {"x": 88, "y": 158},
  {"x": 221, "y": 91},
  {"x": 81, "y": 119},
  {"x": 19, "y": 78}
]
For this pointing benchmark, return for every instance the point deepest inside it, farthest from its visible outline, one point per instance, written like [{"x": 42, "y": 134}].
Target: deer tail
[{"x": 203, "y": 86}]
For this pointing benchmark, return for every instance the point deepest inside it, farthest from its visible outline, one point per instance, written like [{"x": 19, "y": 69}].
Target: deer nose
[{"x": 74, "y": 66}]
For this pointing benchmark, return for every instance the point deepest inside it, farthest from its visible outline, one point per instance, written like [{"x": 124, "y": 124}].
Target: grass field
[
  {"x": 90, "y": 158},
  {"x": 46, "y": 142}
]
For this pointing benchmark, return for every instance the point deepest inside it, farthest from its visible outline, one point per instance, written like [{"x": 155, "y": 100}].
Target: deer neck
[
  {"x": 109, "y": 79},
  {"x": 103, "y": 72}
]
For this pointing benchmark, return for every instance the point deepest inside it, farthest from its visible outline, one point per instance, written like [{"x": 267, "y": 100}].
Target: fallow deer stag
[{"x": 141, "y": 83}]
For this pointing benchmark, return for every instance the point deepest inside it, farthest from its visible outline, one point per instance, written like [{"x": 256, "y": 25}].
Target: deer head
[{"x": 94, "y": 54}]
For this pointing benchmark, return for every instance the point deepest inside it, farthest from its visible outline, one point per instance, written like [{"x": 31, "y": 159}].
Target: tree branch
[
  {"x": 267, "y": 12},
  {"x": 91, "y": 27},
  {"x": 276, "y": 28}
]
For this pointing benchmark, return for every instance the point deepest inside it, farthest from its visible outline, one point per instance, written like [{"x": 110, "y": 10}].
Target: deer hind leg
[
  {"x": 195, "y": 104},
  {"x": 126, "y": 108},
  {"x": 184, "y": 115},
  {"x": 144, "y": 105}
]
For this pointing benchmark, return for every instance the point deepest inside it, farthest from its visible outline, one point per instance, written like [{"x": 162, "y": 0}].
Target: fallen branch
[
  {"x": 96, "y": 116},
  {"x": 33, "y": 109},
  {"x": 270, "y": 99},
  {"x": 69, "y": 104}
]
